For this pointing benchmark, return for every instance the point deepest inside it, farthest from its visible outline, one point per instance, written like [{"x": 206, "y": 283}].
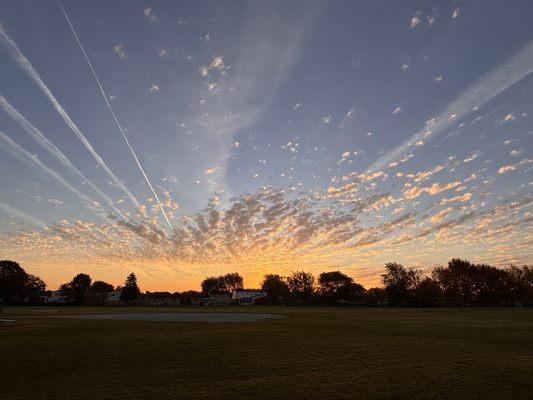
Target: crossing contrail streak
[
  {"x": 17, "y": 151},
  {"x": 108, "y": 104},
  {"x": 53, "y": 150},
  {"x": 21, "y": 214},
  {"x": 27, "y": 67}
]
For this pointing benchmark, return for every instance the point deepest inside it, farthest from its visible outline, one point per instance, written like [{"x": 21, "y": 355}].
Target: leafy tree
[
  {"x": 16, "y": 285},
  {"x": 12, "y": 280},
  {"x": 428, "y": 292},
  {"x": 456, "y": 279},
  {"x": 98, "y": 292},
  {"x": 190, "y": 297},
  {"x": 101, "y": 287},
  {"x": 335, "y": 286},
  {"x": 520, "y": 284},
  {"x": 301, "y": 285},
  {"x": 77, "y": 289},
  {"x": 400, "y": 283},
  {"x": 222, "y": 284},
  {"x": 130, "y": 291},
  {"x": 276, "y": 288},
  {"x": 233, "y": 281},
  {"x": 34, "y": 287},
  {"x": 213, "y": 285},
  {"x": 375, "y": 297}
]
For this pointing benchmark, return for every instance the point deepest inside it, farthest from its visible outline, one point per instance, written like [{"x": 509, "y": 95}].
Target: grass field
[{"x": 312, "y": 353}]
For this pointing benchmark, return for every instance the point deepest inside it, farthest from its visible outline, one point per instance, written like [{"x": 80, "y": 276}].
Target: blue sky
[{"x": 385, "y": 130}]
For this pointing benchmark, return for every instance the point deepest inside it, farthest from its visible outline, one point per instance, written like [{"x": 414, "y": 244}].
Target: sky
[{"x": 179, "y": 140}]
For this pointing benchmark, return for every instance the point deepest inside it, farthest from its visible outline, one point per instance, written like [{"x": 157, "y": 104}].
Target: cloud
[
  {"x": 462, "y": 198},
  {"x": 211, "y": 171},
  {"x": 432, "y": 190},
  {"x": 17, "y": 151},
  {"x": 149, "y": 13},
  {"x": 119, "y": 51},
  {"x": 115, "y": 118},
  {"x": 397, "y": 110},
  {"x": 456, "y": 13},
  {"x": 415, "y": 20},
  {"x": 506, "y": 168},
  {"x": 38, "y": 136},
  {"x": 154, "y": 88},
  {"x": 14, "y": 212},
  {"x": 482, "y": 91},
  {"x": 28, "y": 68}
]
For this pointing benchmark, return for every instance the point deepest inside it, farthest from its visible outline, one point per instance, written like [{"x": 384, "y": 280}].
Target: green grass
[{"x": 313, "y": 353}]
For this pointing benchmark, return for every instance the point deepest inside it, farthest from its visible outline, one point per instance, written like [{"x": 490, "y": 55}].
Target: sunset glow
[{"x": 263, "y": 139}]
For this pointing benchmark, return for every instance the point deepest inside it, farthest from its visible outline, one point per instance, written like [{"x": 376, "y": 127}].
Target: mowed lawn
[{"x": 312, "y": 353}]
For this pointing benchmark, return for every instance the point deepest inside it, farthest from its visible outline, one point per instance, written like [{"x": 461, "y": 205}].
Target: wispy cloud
[
  {"x": 38, "y": 136},
  {"x": 11, "y": 211},
  {"x": 28, "y": 68},
  {"x": 115, "y": 118},
  {"x": 17, "y": 151},
  {"x": 485, "y": 89}
]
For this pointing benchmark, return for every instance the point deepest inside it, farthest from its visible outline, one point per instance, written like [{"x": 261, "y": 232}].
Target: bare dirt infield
[{"x": 179, "y": 317}]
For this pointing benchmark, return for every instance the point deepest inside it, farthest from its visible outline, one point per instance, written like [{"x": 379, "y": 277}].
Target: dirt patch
[{"x": 181, "y": 317}]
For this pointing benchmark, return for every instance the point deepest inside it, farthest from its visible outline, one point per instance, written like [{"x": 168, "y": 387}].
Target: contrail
[
  {"x": 21, "y": 214},
  {"x": 27, "y": 67},
  {"x": 53, "y": 150},
  {"x": 104, "y": 95},
  {"x": 23, "y": 155},
  {"x": 485, "y": 89}
]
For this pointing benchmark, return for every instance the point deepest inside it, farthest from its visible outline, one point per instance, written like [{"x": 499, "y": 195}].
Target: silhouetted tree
[
  {"x": 400, "y": 283},
  {"x": 232, "y": 281},
  {"x": 34, "y": 288},
  {"x": 276, "y": 289},
  {"x": 130, "y": 291},
  {"x": 101, "y": 287},
  {"x": 222, "y": 284},
  {"x": 301, "y": 285},
  {"x": 428, "y": 292},
  {"x": 376, "y": 297},
  {"x": 190, "y": 297},
  {"x": 16, "y": 285},
  {"x": 456, "y": 280},
  {"x": 213, "y": 285},
  {"x": 520, "y": 283},
  {"x": 77, "y": 289},
  {"x": 336, "y": 286},
  {"x": 98, "y": 292}
]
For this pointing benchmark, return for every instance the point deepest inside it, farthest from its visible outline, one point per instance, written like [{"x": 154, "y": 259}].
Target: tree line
[{"x": 459, "y": 283}]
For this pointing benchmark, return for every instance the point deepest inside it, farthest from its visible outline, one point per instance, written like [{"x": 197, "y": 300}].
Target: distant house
[
  {"x": 220, "y": 299},
  {"x": 160, "y": 299},
  {"x": 247, "y": 296},
  {"x": 55, "y": 297},
  {"x": 113, "y": 298}
]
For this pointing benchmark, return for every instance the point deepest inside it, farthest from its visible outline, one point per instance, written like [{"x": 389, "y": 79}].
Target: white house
[{"x": 246, "y": 296}]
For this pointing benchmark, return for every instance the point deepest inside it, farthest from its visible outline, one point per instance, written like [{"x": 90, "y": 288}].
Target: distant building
[
  {"x": 55, "y": 297},
  {"x": 160, "y": 299},
  {"x": 113, "y": 298},
  {"x": 247, "y": 296},
  {"x": 221, "y": 299}
]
